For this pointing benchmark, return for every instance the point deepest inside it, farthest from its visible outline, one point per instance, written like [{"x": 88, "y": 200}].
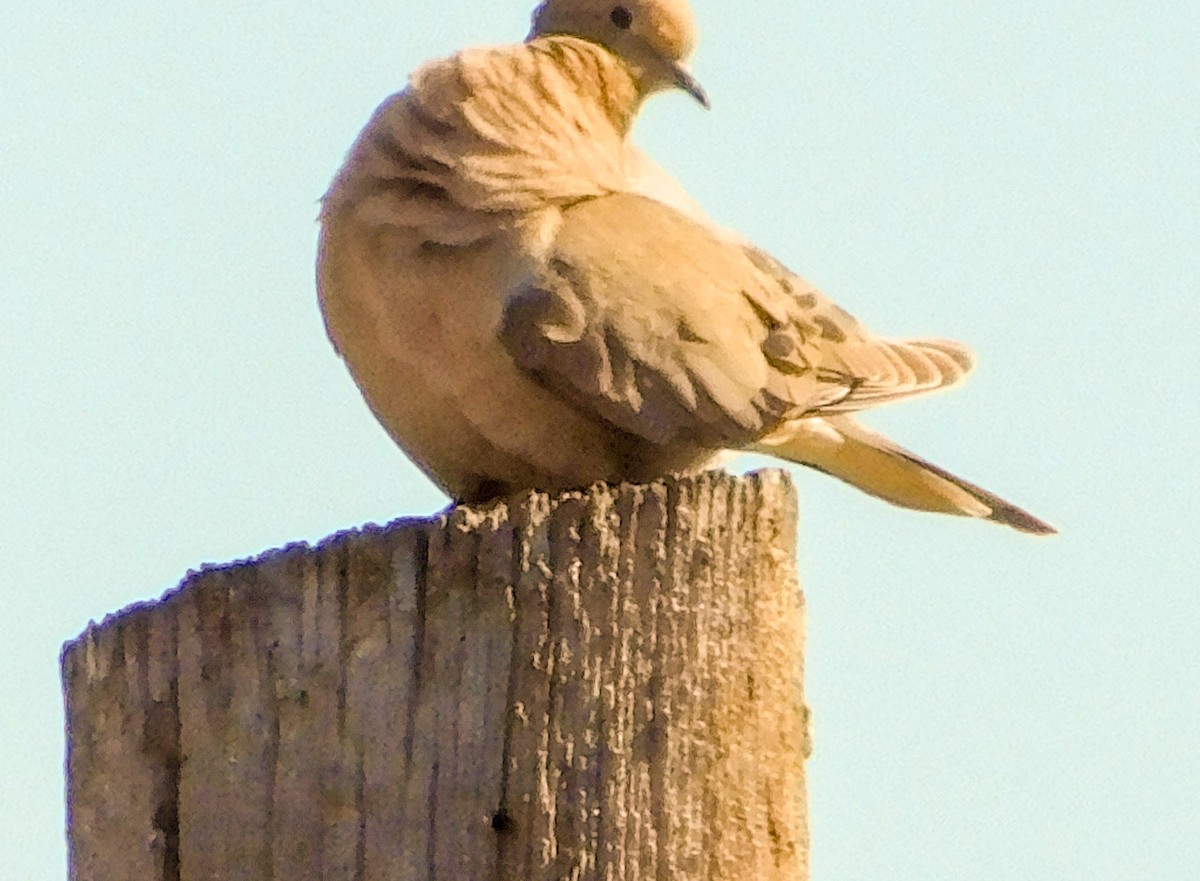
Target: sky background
[{"x": 1024, "y": 176}]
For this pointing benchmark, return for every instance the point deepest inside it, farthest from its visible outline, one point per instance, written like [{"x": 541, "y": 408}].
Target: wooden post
[{"x": 603, "y": 685}]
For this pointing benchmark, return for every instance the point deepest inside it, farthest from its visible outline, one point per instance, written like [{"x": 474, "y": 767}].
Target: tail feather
[{"x": 843, "y": 448}]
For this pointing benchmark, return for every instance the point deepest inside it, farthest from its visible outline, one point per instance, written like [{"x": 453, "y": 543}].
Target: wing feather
[{"x": 656, "y": 324}]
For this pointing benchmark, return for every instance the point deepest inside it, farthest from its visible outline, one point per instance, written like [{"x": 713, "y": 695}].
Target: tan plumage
[{"x": 525, "y": 300}]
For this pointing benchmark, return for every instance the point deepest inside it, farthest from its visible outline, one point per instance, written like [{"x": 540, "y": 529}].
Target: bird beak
[{"x": 687, "y": 82}]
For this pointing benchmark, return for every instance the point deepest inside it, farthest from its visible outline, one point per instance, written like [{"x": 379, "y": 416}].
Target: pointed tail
[{"x": 840, "y": 446}]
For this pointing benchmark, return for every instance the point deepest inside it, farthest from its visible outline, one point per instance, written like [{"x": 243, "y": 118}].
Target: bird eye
[{"x": 621, "y": 17}]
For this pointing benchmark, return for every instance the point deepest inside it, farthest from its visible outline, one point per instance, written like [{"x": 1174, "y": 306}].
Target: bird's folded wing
[
  {"x": 880, "y": 370},
  {"x": 653, "y": 322}
]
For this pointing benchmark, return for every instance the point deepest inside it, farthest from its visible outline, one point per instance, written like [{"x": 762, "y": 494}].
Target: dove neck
[
  {"x": 596, "y": 75},
  {"x": 490, "y": 130}
]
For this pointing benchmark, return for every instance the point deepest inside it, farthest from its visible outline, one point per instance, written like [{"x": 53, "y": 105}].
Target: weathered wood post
[{"x": 604, "y": 685}]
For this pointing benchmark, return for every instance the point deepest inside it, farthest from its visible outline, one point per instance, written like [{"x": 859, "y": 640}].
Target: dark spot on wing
[
  {"x": 687, "y": 333},
  {"x": 771, "y": 321},
  {"x": 778, "y": 345},
  {"x": 829, "y": 329}
]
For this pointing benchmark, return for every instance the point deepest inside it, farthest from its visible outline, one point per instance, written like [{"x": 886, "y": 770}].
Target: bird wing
[{"x": 661, "y": 327}]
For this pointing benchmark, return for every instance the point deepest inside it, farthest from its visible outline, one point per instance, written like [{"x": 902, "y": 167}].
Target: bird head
[{"x": 653, "y": 37}]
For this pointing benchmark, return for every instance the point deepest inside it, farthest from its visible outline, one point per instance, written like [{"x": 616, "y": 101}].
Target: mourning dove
[{"x": 527, "y": 301}]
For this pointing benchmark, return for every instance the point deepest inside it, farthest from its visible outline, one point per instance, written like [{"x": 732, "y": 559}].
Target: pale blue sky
[{"x": 1024, "y": 176}]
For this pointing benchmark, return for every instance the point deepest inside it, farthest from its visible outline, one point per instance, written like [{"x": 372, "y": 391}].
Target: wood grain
[{"x": 599, "y": 685}]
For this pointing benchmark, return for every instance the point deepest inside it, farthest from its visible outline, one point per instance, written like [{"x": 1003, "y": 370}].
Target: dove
[{"x": 527, "y": 301}]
